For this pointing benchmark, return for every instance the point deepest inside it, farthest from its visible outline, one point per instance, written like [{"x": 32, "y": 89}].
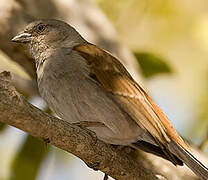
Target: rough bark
[
  {"x": 119, "y": 162},
  {"x": 112, "y": 160}
]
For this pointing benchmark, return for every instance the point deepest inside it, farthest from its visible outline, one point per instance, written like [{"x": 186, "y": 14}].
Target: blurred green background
[
  {"x": 176, "y": 33},
  {"x": 169, "y": 39}
]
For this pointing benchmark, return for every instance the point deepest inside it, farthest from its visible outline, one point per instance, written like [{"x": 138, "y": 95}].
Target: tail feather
[
  {"x": 156, "y": 150},
  {"x": 195, "y": 165}
]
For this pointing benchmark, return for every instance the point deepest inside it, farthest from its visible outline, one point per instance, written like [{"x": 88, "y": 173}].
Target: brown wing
[{"x": 133, "y": 99}]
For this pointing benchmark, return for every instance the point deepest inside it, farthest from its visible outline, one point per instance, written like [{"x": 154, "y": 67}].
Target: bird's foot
[
  {"x": 86, "y": 124},
  {"x": 94, "y": 165},
  {"x": 105, "y": 177},
  {"x": 46, "y": 140}
]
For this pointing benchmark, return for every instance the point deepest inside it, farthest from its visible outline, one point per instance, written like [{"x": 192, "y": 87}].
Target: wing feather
[{"x": 133, "y": 99}]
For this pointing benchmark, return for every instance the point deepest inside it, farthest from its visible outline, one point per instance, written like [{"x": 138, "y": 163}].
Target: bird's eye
[{"x": 40, "y": 27}]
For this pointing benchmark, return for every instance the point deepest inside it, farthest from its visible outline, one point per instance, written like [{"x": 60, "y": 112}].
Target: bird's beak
[{"x": 22, "y": 38}]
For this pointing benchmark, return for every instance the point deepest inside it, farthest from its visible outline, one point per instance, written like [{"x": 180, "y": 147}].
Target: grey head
[{"x": 45, "y": 34}]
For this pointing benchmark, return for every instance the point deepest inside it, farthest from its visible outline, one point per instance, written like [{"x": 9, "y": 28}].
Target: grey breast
[{"x": 66, "y": 86}]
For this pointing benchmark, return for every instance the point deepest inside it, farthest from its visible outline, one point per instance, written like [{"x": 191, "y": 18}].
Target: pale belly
[{"x": 74, "y": 97}]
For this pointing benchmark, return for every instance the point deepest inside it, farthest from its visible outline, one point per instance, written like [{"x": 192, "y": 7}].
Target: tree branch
[
  {"x": 112, "y": 160},
  {"x": 120, "y": 163}
]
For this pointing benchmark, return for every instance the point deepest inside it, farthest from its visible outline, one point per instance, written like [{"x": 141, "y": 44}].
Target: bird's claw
[{"x": 86, "y": 124}]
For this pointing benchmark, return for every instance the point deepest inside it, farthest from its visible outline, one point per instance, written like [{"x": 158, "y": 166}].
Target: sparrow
[{"x": 85, "y": 84}]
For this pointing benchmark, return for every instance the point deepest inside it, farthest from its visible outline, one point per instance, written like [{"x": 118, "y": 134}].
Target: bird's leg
[
  {"x": 46, "y": 142},
  {"x": 86, "y": 124},
  {"x": 94, "y": 165},
  {"x": 105, "y": 177}
]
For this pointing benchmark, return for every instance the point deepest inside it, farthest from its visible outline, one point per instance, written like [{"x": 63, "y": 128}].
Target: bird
[{"x": 84, "y": 84}]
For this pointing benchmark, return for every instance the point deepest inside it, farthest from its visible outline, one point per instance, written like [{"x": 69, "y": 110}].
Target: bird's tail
[
  {"x": 156, "y": 150},
  {"x": 195, "y": 165}
]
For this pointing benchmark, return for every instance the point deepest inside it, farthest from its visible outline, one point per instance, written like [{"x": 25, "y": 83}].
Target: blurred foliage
[
  {"x": 2, "y": 126},
  {"x": 151, "y": 64},
  {"x": 28, "y": 160},
  {"x": 177, "y": 30},
  {"x": 202, "y": 123},
  {"x": 204, "y": 141}
]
